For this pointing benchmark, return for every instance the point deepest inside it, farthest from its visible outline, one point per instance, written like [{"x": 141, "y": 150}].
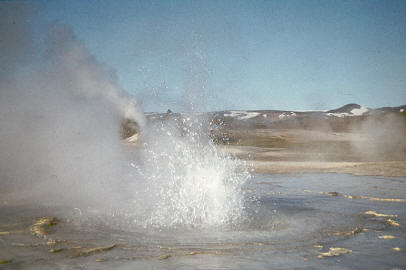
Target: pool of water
[{"x": 296, "y": 221}]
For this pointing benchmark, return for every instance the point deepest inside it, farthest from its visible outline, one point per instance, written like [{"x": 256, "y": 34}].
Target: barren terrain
[
  {"x": 351, "y": 139},
  {"x": 298, "y": 150}
]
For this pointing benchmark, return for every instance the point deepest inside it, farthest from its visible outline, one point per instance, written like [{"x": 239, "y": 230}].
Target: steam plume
[{"x": 60, "y": 114}]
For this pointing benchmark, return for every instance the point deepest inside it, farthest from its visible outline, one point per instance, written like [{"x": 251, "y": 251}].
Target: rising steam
[
  {"x": 60, "y": 117},
  {"x": 60, "y": 112}
]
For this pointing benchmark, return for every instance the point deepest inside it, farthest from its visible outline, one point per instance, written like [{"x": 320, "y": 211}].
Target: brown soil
[{"x": 299, "y": 150}]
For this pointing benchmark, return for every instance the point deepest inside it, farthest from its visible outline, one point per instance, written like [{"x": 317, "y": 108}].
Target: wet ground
[{"x": 298, "y": 221}]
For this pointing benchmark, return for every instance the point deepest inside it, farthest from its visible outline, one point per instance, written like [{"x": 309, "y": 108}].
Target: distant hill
[
  {"x": 346, "y": 108},
  {"x": 350, "y": 133},
  {"x": 338, "y": 119}
]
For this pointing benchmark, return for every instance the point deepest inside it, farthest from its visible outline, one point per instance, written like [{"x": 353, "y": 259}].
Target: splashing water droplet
[{"x": 191, "y": 183}]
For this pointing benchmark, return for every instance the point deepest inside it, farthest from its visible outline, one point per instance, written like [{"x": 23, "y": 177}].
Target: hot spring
[
  {"x": 183, "y": 204},
  {"x": 74, "y": 195},
  {"x": 295, "y": 221},
  {"x": 175, "y": 177}
]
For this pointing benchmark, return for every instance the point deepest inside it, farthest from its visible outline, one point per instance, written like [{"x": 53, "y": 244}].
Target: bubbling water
[{"x": 188, "y": 181}]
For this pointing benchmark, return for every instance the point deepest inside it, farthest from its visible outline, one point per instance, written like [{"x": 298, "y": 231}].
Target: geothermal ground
[
  {"x": 297, "y": 221},
  {"x": 327, "y": 191},
  {"x": 298, "y": 151},
  {"x": 351, "y": 139}
]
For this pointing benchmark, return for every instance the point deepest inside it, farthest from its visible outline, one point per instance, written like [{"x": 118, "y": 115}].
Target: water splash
[
  {"x": 61, "y": 112},
  {"x": 189, "y": 181}
]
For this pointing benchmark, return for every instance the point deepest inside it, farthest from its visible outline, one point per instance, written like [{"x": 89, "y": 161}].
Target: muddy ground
[{"x": 300, "y": 150}]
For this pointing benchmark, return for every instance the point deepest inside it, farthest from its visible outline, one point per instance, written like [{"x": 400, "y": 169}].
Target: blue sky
[{"x": 246, "y": 54}]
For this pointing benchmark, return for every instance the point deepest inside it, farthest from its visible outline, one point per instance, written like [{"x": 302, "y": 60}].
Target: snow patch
[
  {"x": 359, "y": 111},
  {"x": 354, "y": 112},
  {"x": 249, "y": 115},
  {"x": 286, "y": 115},
  {"x": 242, "y": 115},
  {"x": 339, "y": 114}
]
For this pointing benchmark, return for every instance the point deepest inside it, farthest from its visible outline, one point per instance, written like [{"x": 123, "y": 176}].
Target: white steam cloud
[
  {"x": 60, "y": 117},
  {"x": 60, "y": 114}
]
